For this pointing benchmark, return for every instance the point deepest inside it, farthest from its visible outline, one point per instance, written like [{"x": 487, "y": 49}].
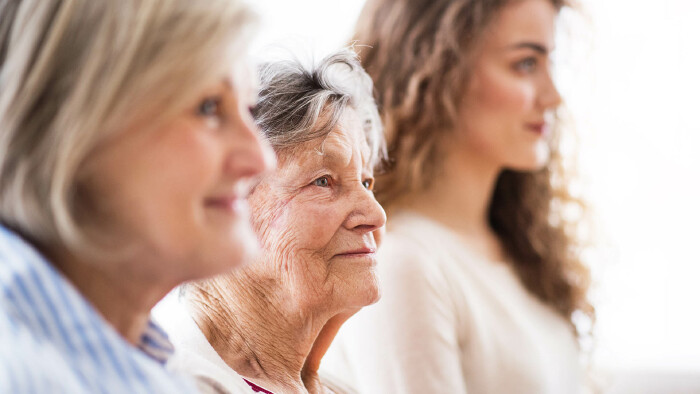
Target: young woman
[{"x": 479, "y": 269}]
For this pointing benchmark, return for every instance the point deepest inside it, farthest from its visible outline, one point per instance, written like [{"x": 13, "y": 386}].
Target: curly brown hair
[{"x": 418, "y": 54}]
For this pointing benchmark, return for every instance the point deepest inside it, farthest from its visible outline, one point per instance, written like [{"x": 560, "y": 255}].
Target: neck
[
  {"x": 459, "y": 198},
  {"x": 260, "y": 332},
  {"x": 115, "y": 290}
]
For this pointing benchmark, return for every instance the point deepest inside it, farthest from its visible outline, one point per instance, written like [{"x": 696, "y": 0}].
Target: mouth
[
  {"x": 232, "y": 199},
  {"x": 538, "y": 128},
  {"x": 356, "y": 253},
  {"x": 229, "y": 204}
]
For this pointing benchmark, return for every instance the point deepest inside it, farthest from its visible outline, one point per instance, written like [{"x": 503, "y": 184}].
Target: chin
[
  {"x": 376, "y": 296},
  {"x": 527, "y": 167},
  {"x": 369, "y": 293},
  {"x": 532, "y": 162}
]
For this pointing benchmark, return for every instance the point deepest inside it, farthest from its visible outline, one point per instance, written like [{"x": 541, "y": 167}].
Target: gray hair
[
  {"x": 75, "y": 72},
  {"x": 299, "y": 103}
]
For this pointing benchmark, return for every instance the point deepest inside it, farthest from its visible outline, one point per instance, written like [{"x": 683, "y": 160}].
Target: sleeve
[{"x": 407, "y": 342}]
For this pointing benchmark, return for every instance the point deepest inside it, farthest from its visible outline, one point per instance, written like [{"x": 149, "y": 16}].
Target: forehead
[
  {"x": 344, "y": 145},
  {"x": 524, "y": 20},
  {"x": 241, "y": 77}
]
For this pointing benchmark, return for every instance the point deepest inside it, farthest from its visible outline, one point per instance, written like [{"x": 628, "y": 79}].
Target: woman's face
[
  {"x": 508, "y": 108},
  {"x": 177, "y": 193},
  {"x": 316, "y": 216}
]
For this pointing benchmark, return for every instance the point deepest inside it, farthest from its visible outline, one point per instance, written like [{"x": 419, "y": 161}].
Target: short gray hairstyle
[
  {"x": 298, "y": 103},
  {"x": 75, "y": 72}
]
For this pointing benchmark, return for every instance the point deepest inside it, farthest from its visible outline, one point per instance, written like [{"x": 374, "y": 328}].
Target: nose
[
  {"x": 549, "y": 95},
  {"x": 250, "y": 154},
  {"x": 367, "y": 215}
]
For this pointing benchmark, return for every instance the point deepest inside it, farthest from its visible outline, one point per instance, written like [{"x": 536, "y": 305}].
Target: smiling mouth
[{"x": 226, "y": 204}]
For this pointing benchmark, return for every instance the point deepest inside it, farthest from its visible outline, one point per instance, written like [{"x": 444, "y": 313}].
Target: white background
[
  {"x": 636, "y": 106},
  {"x": 630, "y": 76}
]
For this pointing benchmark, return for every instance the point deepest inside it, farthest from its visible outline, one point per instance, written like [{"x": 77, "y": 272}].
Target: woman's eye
[
  {"x": 209, "y": 107},
  {"x": 526, "y": 65},
  {"x": 368, "y": 183},
  {"x": 322, "y": 181}
]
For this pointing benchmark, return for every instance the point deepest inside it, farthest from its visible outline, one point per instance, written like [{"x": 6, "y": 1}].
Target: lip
[
  {"x": 229, "y": 203},
  {"x": 539, "y": 128},
  {"x": 360, "y": 252}
]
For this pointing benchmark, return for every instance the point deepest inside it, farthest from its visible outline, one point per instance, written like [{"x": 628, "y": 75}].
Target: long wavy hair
[{"x": 418, "y": 54}]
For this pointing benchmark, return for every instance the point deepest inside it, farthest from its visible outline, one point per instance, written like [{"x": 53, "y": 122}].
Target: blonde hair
[
  {"x": 418, "y": 53},
  {"x": 75, "y": 72}
]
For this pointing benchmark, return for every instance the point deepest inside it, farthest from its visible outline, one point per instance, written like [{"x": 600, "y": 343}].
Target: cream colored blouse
[{"x": 451, "y": 322}]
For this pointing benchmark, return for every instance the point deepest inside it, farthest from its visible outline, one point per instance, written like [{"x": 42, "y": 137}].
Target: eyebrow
[
  {"x": 332, "y": 157},
  {"x": 250, "y": 94},
  {"x": 531, "y": 45}
]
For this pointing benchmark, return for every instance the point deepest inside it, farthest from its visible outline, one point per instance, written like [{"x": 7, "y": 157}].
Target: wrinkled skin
[{"x": 305, "y": 227}]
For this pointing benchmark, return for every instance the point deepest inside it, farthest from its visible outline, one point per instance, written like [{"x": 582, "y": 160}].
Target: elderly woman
[
  {"x": 316, "y": 216},
  {"x": 116, "y": 184}
]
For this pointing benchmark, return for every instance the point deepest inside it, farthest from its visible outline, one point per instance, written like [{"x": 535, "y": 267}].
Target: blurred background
[{"x": 629, "y": 71}]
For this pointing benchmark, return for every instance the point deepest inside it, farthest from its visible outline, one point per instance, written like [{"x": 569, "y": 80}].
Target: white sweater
[
  {"x": 193, "y": 353},
  {"x": 451, "y": 322}
]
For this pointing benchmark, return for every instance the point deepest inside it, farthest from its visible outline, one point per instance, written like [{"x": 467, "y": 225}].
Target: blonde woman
[
  {"x": 479, "y": 269},
  {"x": 126, "y": 154}
]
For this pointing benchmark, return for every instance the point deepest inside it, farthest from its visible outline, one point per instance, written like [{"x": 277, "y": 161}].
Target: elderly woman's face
[
  {"x": 316, "y": 216},
  {"x": 177, "y": 193}
]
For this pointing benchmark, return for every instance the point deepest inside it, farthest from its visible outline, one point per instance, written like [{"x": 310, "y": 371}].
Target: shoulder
[
  {"x": 194, "y": 356},
  {"x": 424, "y": 265},
  {"x": 414, "y": 250},
  {"x": 32, "y": 363},
  {"x": 209, "y": 376},
  {"x": 30, "y": 355}
]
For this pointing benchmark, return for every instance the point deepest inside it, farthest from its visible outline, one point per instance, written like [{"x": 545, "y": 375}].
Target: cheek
[
  {"x": 321, "y": 221},
  {"x": 508, "y": 97},
  {"x": 305, "y": 224},
  {"x": 150, "y": 187},
  {"x": 190, "y": 159},
  {"x": 495, "y": 110},
  {"x": 182, "y": 171}
]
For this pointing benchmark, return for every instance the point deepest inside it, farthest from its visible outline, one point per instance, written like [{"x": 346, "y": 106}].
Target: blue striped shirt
[{"x": 53, "y": 341}]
